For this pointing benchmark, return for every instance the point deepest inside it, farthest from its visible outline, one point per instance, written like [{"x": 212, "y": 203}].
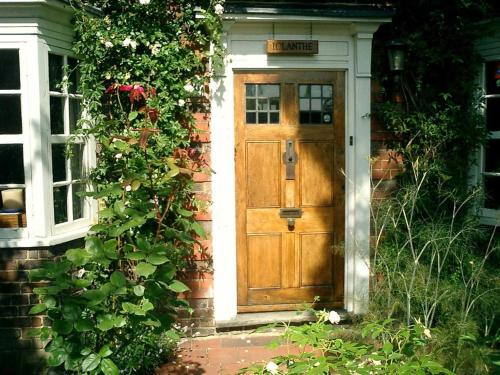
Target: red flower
[
  {"x": 110, "y": 89},
  {"x": 126, "y": 88},
  {"x": 136, "y": 93}
]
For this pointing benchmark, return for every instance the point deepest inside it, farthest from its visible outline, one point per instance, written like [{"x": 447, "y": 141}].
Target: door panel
[{"x": 289, "y": 155}]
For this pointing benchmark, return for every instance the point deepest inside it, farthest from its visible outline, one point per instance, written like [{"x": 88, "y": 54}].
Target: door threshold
[{"x": 246, "y": 321}]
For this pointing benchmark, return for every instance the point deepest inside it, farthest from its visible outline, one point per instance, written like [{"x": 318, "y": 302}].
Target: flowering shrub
[
  {"x": 113, "y": 302},
  {"x": 385, "y": 349}
]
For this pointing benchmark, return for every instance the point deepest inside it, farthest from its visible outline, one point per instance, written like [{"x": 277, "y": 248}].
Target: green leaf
[
  {"x": 139, "y": 290},
  {"x": 110, "y": 249},
  {"x": 108, "y": 367},
  {"x": 38, "y": 308},
  {"x": 184, "y": 212},
  {"x": 133, "y": 309},
  {"x": 135, "y": 185},
  {"x": 91, "y": 362},
  {"x": 94, "y": 295},
  {"x": 167, "y": 272},
  {"x": 119, "y": 208},
  {"x": 57, "y": 357},
  {"x": 178, "y": 286},
  {"x": 106, "y": 322},
  {"x": 105, "y": 351},
  {"x": 145, "y": 269},
  {"x": 143, "y": 244},
  {"x": 84, "y": 325},
  {"x": 78, "y": 257},
  {"x": 198, "y": 229},
  {"x": 51, "y": 290},
  {"x": 132, "y": 115},
  {"x": 71, "y": 311},
  {"x": 106, "y": 213},
  {"x": 118, "y": 279},
  {"x": 387, "y": 348},
  {"x": 62, "y": 326},
  {"x": 152, "y": 323},
  {"x": 85, "y": 351},
  {"x": 156, "y": 259},
  {"x": 137, "y": 255},
  {"x": 81, "y": 283}
]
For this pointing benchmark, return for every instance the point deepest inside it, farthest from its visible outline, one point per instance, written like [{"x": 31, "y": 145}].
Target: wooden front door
[{"x": 289, "y": 188}]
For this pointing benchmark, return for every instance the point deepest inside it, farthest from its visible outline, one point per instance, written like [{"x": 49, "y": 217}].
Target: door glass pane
[
  {"x": 10, "y": 114},
  {"x": 58, "y": 162},
  {"x": 55, "y": 72},
  {"x": 77, "y": 162},
  {"x": 9, "y": 69},
  {"x": 315, "y": 104},
  {"x": 493, "y": 114},
  {"x": 262, "y": 103},
  {"x": 11, "y": 164},
  {"x": 78, "y": 201},
  {"x": 56, "y": 115},
  {"x": 60, "y": 204},
  {"x": 75, "y": 112}
]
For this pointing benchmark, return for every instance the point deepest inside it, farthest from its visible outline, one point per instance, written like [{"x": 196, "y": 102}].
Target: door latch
[{"x": 290, "y": 159}]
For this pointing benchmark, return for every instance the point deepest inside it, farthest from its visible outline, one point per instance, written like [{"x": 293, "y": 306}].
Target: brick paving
[{"x": 223, "y": 354}]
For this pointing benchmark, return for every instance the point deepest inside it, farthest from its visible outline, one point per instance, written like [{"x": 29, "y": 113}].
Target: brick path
[{"x": 223, "y": 354}]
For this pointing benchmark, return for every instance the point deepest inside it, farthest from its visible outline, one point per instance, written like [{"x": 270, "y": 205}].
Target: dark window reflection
[
  {"x": 58, "y": 162},
  {"x": 11, "y": 164},
  {"x": 60, "y": 204},
  {"x": 10, "y": 114},
  {"x": 9, "y": 69}
]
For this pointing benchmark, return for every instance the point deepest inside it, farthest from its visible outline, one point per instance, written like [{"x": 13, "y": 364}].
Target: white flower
[
  {"x": 181, "y": 102},
  {"x": 189, "y": 87},
  {"x": 80, "y": 273},
  {"x": 219, "y": 9},
  {"x": 126, "y": 42},
  {"x": 155, "y": 48},
  {"x": 133, "y": 44},
  {"x": 316, "y": 364},
  {"x": 376, "y": 363},
  {"x": 272, "y": 367},
  {"x": 144, "y": 2},
  {"x": 334, "y": 317},
  {"x": 108, "y": 44},
  {"x": 119, "y": 156},
  {"x": 427, "y": 333},
  {"x": 128, "y": 188}
]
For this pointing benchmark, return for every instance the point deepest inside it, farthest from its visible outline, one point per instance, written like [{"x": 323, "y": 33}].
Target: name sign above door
[{"x": 292, "y": 47}]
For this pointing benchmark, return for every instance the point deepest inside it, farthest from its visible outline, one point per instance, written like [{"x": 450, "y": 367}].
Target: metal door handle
[{"x": 290, "y": 159}]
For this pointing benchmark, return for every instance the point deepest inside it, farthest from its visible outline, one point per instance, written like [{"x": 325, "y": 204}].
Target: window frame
[
  {"x": 489, "y": 216},
  {"x": 23, "y": 138},
  {"x": 36, "y": 138}
]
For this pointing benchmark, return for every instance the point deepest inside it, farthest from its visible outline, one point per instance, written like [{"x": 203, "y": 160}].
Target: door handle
[{"x": 290, "y": 159}]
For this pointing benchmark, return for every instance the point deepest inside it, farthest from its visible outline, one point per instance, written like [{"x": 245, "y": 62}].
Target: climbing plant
[{"x": 145, "y": 67}]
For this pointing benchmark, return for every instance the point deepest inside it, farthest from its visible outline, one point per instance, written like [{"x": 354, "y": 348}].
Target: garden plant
[{"x": 144, "y": 68}]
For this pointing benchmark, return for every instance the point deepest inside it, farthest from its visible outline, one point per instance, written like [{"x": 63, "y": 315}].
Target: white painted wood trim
[{"x": 357, "y": 65}]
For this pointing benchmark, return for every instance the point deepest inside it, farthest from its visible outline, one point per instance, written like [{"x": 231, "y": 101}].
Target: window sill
[
  {"x": 490, "y": 217},
  {"x": 43, "y": 242}
]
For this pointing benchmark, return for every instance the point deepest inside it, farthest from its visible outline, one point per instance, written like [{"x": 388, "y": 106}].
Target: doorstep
[{"x": 245, "y": 321}]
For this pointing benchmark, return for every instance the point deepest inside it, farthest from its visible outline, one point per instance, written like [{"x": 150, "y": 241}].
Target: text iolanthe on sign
[{"x": 292, "y": 47}]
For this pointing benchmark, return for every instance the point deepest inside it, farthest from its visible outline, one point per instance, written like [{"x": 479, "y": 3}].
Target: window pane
[
  {"x": 60, "y": 204},
  {"x": 316, "y": 91},
  {"x": 75, "y": 112},
  {"x": 492, "y": 156},
  {"x": 492, "y": 192},
  {"x": 263, "y": 105},
  {"x": 56, "y": 115},
  {"x": 493, "y": 77},
  {"x": 493, "y": 114},
  {"x": 11, "y": 164},
  {"x": 268, "y": 91},
  {"x": 251, "y": 105},
  {"x": 55, "y": 72},
  {"x": 10, "y": 114},
  {"x": 250, "y": 90},
  {"x": 274, "y": 104},
  {"x": 58, "y": 162},
  {"x": 78, "y": 201},
  {"x": 74, "y": 76},
  {"x": 77, "y": 162},
  {"x": 274, "y": 117},
  {"x": 9, "y": 69},
  {"x": 262, "y": 116},
  {"x": 251, "y": 118}
]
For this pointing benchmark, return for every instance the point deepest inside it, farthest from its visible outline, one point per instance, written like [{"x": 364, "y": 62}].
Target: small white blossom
[
  {"x": 189, "y": 87},
  {"x": 218, "y": 9},
  {"x": 80, "y": 273},
  {"x": 108, "y": 76},
  {"x": 126, "y": 77},
  {"x": 155, "y": 49},
  {"x": 144, "y": 2},
  {"x": 376, "y": 362},
  {"x": 133, "y": 44},
  {"x": 127, "y": 42},
  {"x": 334, "y": 317},
  {"x": 427, "y": 333},
  {"x": 181, "y": 102},
  {"x": 128, "y": 188},
  {"x": 317, "y": 364},
  {"x": 272, "y": 367},
  {"x": 119, "y": 156},
  {"x": 108, "y": 44}
]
